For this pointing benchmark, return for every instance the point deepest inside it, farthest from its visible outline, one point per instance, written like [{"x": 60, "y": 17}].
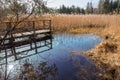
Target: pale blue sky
[{"x": 80, "y": 3}]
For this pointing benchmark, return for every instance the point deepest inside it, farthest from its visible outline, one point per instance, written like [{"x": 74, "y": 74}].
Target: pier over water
[{"x": 19, "y": 38}]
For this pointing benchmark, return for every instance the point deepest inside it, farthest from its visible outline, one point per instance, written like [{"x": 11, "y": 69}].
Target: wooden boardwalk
[
  {"x": 27, "y": 33},
  {"x": 23, "y": 34}
]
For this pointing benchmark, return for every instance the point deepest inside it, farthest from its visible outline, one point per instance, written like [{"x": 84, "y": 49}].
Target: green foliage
[
  {"x": 71, "y": 10},
  {"x": 104, "y": 7},
  {"x": 89, "y": 8},
  {"x": 109, "y": 6}
]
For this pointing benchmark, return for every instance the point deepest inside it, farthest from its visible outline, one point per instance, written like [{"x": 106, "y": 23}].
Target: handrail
[
  {"x": 9, "y": 23},
  {"x": 26, "y": 23},
  {"x": 23, "y": 21}
]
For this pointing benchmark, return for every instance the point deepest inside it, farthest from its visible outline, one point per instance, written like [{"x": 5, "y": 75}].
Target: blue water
[{"x": 66, "y": 54}]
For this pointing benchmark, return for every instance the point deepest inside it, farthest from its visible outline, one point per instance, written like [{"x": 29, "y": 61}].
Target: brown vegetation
[{"x": 106, "y": 54}]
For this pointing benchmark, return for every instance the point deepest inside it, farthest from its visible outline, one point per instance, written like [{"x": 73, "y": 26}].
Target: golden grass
[
  {"x": 86, "y": 30},
  {"x": 103, "y": 25},
  {"x": 67, "y": 22},
  {"x": 107, "y": 54},
  {"x": 86, "y": 23},
  {"x": 77, "y": 23}
]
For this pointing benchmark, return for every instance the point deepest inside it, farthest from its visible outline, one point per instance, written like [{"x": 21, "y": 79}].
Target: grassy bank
[{"x": 107, "y": 53}]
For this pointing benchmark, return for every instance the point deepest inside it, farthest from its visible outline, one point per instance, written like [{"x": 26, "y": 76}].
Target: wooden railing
[
  {"x": 6, "y": 28},
  {"x": 26, "y": 25},
  {"x": 32, "y": 31}
]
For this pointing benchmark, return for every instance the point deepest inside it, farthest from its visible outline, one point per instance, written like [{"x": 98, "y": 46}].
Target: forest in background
[
  {"x": 9, "y": 7},
  {"x": 104, "y": 7}
]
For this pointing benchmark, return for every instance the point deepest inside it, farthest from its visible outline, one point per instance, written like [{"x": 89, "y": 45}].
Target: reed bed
[
  {"x": 86, "y": 23},
  {"x": 77, "y": 23},
  {"x": 106, "y": 54}
]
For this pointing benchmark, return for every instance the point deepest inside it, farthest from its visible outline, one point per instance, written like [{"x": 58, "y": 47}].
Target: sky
[{"x": 80, "y": 3}]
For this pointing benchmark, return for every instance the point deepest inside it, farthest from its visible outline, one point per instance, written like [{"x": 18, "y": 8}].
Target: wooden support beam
[
  {"x": 30, "y": 45},
  {"x": 34, "y": 36},
  {"x": 31, "y": 37},
  {"x": 44, "y": 24},
  {"x": 51, "y": 34}
]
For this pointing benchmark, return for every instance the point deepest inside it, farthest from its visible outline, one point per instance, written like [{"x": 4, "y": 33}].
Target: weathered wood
[
  {"x": 23, "y": 42},
  {"x": 30, "y": 36},
  {"x": 26, "y": 51},
  {"x": 25, "y": 34}
]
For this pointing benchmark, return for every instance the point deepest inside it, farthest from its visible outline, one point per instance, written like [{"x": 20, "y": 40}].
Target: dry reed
[{"x": 103, "y": 25}]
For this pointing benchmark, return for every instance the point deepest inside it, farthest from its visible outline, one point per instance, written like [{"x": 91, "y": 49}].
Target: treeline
[
  {"x": 16, "y": 7},
  {"x": 71, "y": 10},
  {"x": 109, "y": 6},
  {"x": 104, "y": 7}
]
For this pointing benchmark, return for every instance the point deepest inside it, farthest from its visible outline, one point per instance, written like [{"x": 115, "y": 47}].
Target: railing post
[
  {"x": 43, "y": 24},
  {"x": 50, "y": 33},
  {"x": 34, "y": 27},
  {"x": 11, "y": 41},
  {"x": 6, "y": 64},
  {"x": 50, "y": 26},
  {"x": 34, "y": 37}
]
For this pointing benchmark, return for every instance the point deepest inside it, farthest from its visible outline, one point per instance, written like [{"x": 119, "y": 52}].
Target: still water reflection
[{"x": 64, "y": 59}]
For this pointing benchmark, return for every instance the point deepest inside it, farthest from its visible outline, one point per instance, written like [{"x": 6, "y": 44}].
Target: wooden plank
[
  {"x": 24, "y": 56},
  {"x": 28, "y": 33},
  {"x": 29, "y": 36},
  {"x": 24, "y": 42},
  {"x": 22, "y": 52}
]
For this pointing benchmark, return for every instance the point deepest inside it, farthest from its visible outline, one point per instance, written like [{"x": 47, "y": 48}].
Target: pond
[{"x": 65, "y": 57}]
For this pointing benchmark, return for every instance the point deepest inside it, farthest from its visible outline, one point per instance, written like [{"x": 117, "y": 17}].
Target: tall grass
[
  {"x": 99, "y": 24},
  {"x": 107, "y": 53},
  {"x": 108, "y": 23},
  {"x": 74, "y": 23}
]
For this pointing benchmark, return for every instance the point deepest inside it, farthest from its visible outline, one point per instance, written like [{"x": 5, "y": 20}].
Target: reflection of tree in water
[
  {"x": 42, "y": 72},
  {"x": 28, "y": 71}
]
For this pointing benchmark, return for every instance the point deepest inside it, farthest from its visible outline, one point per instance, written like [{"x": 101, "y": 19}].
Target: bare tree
[{"x": 14, "y": 10}]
